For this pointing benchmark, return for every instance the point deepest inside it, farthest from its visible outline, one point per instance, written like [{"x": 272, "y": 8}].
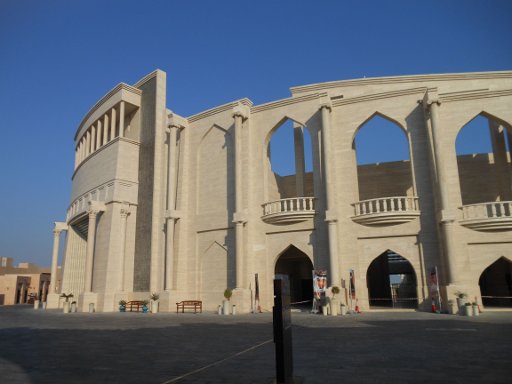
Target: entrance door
[
  {"x": 496, "y": 284},
  {"x": 391, "y": 282},
  {"x": 297, "y": 265}
]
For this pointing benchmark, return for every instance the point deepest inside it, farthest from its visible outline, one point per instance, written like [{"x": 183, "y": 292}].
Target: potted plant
[
  {"x": 460, "y": 300},
  {"x": 468, "y": 309},
  {"x": 122, "y": 305},
  {"x": 475, "y": 311},
  {"x": 73, "y": 306},
  {"x": 154, "y": 302},
  {"x": 36, "y": 301},
  {"x": 226, "y": 303},
  {"x": 66, "y": 303},
  {"x": 145, "y": 306},
  {"x": 343, "y": 309},
  {"x": 334, "y": 302}
]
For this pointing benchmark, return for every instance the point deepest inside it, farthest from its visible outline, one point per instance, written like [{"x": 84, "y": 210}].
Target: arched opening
[
  {"x": 383, "y": 161},
  {"x": 391, "y": 282},
  {"x": 289, "y": 153},
  {"x": 496, "y": 284},
  {"x": 297, "y": 265},
  {"x": 483, "y": 148}
]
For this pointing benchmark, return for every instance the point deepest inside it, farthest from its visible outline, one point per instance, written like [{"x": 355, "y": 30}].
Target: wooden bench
[
  {"x": 189, "y": 304},
  {"x": 134, "y": 306}
]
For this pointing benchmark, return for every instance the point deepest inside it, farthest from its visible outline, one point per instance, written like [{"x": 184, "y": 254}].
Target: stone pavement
[{"x": 394, "y": 347}]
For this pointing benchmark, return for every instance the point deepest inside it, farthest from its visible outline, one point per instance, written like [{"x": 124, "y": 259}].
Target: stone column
[
  {"x": 77, "y": 155},
  {"x": 98, "y": 134},
  {"x": 113, "y": 125},
  {"x": 87, "y": 143},
  {"x": 329, "y": 182},
  {"x": 170, "y": 217},
  {"x": 447, "y": 221},
  {"x": 93, "y": 138},
  {"x": 105, "y": 129},
  {"x": 240, "y": 113},
  {"x": 300, "y": 166},
  {"x": 94, "y": 209},
  {"x": 502, "y": 168},
  {"x": 125, "y": 211},
  {"x": 58, "y": 228},
  {"x": 121, "y": 119}
]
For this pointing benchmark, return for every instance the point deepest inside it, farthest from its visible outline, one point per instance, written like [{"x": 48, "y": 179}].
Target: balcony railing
[
  {"x": 386, "y": 210},
  {"x": 287, "y": 211},
  {"x": 496, "y": 215}
]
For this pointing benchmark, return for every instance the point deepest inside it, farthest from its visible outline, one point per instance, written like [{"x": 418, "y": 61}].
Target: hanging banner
[
  {"x": 434, "y": 290},
  {"x": 257, "y": 295},
  {"x": 319, "y": 287},
  {"x": 352, "y": 285}
]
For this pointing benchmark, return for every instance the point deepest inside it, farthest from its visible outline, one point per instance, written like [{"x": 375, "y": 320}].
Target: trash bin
[{"x": 91, "y": 307}]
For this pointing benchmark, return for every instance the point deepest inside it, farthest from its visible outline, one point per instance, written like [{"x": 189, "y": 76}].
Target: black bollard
[{"x": 283, "y": 330}]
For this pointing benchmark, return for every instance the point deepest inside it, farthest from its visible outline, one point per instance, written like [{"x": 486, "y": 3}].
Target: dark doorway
[
  {"x": 496, "y": 284},
  {"x": 391, "y": 282},
  {"x": 296, "y": 264}
]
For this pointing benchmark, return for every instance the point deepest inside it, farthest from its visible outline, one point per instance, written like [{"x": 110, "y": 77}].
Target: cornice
[
  {"x": 401, "y": 79},
  {"x": 378, "y": 96},
  {"x": 287, "y": 101},
  {"x": 219, "y": 109},
  {"x": 471, "y": 95},
  {"x": 103, "y": 100}
]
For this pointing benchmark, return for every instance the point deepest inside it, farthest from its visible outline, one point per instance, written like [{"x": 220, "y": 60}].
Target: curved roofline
[{"x": 315, "y": 87}]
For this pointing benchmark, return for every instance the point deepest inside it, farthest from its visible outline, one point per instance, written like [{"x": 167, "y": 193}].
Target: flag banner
[{"x": 257, "y": 294}]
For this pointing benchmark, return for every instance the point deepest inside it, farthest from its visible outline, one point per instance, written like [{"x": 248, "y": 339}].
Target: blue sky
[{"x": 58, "y": 57}]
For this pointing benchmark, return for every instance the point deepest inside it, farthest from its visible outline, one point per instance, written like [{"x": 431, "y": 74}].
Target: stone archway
[
  {"x": 391, "y": 282},
  {"x": 496, "y": 284},
  {"x": 298, "y": 267}
]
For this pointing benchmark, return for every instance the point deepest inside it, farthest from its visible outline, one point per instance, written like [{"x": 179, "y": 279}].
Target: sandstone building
[{"x": 188, "y": 206}]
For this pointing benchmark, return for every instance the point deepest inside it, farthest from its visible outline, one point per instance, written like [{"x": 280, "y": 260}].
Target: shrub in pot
[
  {"x": 226, "y": 310},
  {"x": 154, "y": 302},
  {"x": 122, "y": 305},
  {"x": 334, "y": 302}
]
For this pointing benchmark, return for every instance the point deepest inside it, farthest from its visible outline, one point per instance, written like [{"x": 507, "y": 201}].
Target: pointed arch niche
[
  {"x": 289, "y": 174},
  {"x": 298, "y": 267},
  {"x": 384, "y": 173},
  {"x": 483, "y": 147}
]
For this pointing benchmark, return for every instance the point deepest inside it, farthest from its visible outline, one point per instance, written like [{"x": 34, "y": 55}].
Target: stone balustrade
[
  {"x": 386, "y": 210},
  {"x": 286, "y": 211},
  {"x": 496, "y": 215}
]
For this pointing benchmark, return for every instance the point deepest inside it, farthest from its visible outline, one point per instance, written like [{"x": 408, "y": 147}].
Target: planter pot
[
  {"x": 468, "y": 310},
  {"x": 343, "y": 310},
  {"x": 145, "y": 308},
  {"x": 452, "y": 310},
  {"x": 334, "y": 307},
  {"x": 154, "y": 307},
  {"x": 475, "y": 310},
  {"x": 36, "y": 304},
  {"x": 233, "y": 312},
  {"x": 122, "y": 308},
  {"x": 226, "y": 307},
  {"x": 66, "y": 307},
  {"x": 219, "y": 310},
  {"x": 73, "y": 307},
  {"x": 44, "y": 304},
  {"x": 325, "y": 310},
  {"x": 460, "y": 306}
]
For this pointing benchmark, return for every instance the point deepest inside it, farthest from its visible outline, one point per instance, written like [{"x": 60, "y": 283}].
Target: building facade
[{"x": 189, "y": 206}]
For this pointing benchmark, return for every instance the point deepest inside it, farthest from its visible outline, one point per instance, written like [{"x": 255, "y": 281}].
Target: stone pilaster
[
  {"x": 330, "y": 182},
  {"x": 300, "y": 166},
  {"x": 94, "y": 209},
  {"x": 59, "y": 227}
]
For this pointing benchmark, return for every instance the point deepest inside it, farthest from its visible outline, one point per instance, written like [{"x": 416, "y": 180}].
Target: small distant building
[{"x": 24, "y": 283}]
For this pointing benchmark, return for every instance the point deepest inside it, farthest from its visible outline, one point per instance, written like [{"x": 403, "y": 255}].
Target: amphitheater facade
[{"x": 189, "y": 206}]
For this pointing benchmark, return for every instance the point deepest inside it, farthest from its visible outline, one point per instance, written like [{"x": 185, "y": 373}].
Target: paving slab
[{"x": 47, "y": 346}]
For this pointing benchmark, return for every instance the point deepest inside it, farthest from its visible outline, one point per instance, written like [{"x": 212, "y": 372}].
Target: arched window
[
  {"x": 383, "y": 163},
  {"x": 483, "y": 159}
]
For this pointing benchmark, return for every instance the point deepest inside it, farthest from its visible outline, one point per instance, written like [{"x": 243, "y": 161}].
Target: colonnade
[{"x": 105, "y": 129}]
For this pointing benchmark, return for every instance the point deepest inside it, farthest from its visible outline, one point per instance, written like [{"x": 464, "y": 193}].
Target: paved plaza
[{"x": 393, "y": 347}]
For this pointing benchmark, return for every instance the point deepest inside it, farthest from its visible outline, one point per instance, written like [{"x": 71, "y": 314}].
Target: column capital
[
  {"x": 327, "y": 105},
  {"x": 433, "y": 101},
  {"x": 95, "y": 207},
  {"x": 240, "y": 217},
  {"x": 59, "y": 227},
  {"x": 242, "y": 111},
  {"x": 175, "y": 121},
  {"x": 172, "y": 214},
  {"x": 330, "y": 217}
]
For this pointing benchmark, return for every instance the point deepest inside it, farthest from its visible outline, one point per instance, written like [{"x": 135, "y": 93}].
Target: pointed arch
[
  {"x": 392, "y": 282},
  {"x": 213, "y": 272},
  {"x": 496, "y": 283},
  {"x": 298, "y": 267},
  {"x": 378, "y": 114}
]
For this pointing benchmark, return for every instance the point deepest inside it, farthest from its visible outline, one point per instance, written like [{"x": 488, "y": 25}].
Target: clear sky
[{"x": 58, "y": 57}]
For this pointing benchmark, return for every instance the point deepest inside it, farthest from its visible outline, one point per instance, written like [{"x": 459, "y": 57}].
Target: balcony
[
  {"x": 493, "y": 216},
  {"x": 386, "y": 210},
  {"x": 289, "y": 211}
]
